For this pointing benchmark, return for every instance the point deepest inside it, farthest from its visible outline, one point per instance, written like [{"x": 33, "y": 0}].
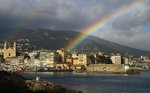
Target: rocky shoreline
[{"x": 14, "y": 83}]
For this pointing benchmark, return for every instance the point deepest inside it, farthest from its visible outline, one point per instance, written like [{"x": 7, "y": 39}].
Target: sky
[{"x": 132, "y": 29}]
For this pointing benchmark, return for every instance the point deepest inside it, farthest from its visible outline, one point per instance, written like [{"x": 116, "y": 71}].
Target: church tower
[
  {"x": 9, "y": 51},
  {"x": 5, "y": 45},
  {"x": 14, "y": 46}
]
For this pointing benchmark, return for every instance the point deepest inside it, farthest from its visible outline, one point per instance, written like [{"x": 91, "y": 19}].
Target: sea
[{"x": 97, "y": 82}]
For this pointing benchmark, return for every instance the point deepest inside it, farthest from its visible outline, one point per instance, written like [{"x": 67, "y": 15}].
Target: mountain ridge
[{"x": 51, "y": 39}]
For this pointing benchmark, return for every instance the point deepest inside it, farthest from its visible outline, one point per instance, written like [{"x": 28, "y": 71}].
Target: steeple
[
  {"x": 14, "y": 45},
  {"x": 5, "y": 45}
]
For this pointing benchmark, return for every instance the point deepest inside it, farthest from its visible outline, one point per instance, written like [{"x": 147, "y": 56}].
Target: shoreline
[
  {"x": 14, "y": 83},
  {"x": 130, "y": 71}
]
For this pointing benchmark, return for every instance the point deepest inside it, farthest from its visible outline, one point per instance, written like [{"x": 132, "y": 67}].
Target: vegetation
[{"x": 49, "y": 39}]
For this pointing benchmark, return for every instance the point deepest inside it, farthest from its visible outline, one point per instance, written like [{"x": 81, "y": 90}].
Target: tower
[
  {"x": 9, "y": 51},
  {"x": 126, "y": 65},
  {"x": 14, "y": 45},
  {"x": 14, "y": 48},
  {"x": 5, "y": 45},
  {"x": 126, "y": 59}
]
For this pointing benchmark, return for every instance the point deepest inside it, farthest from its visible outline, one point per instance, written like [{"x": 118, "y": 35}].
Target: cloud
[
  {"x": 75, "y": 13},
  {"x": 134, "y": 37},
  {"x": 78, "y": 14},
  {"x": 135, "y": 18},
  {"x": 129, "y": 30}
]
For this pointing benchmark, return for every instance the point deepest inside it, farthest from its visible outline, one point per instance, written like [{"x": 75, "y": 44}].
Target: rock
[
  {"x": 46, "y": 87},
  {"x": 133, "y": 71},
  {"x": 13, "y": 83}
]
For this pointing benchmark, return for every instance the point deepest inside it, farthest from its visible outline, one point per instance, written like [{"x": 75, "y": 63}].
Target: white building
[
  {"x": 37, "y": 63},
  {"x": 116, "y": 59},
  {"x": 51, "y": 59}
]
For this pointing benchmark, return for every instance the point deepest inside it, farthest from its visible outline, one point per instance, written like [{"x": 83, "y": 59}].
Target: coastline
[
  {"x": 14, "y": 83},
  {"x": 129, "y": 71},
  {"x": 32, "y": 75}
]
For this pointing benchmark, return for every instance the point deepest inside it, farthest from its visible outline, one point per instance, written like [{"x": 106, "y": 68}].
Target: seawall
[{"x": 105, "y": 68}]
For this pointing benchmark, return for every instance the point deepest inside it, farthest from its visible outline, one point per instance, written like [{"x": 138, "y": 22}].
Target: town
[{"x": 63, "y": 60}]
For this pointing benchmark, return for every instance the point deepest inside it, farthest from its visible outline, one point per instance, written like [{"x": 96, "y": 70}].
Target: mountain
[{"x": 53, "y": 40}]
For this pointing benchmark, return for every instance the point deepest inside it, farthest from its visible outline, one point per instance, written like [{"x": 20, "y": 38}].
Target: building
[
  {"x": 15, "y": 61},
  {"x": 100, "y": 58},
  {"x": 63, "y": 65},
  {"x": 51, "y": 59},
  {"x": 145, "y": 58},
  {"x": 9, "y": 52},
  {"x": 116, "y": 59},
  {"x": 80, "y": 60},
  {"x": 37, "y": 63},
  {"x": 44, "y": 58},
  {"x": 83, "y": 59},
  {"x": 63, "y": 54}
]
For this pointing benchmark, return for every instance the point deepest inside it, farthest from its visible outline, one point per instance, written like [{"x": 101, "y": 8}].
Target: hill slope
[{"x": 53, "y": 40}]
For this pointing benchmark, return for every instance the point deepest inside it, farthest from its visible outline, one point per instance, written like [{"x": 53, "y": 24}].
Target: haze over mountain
[{"x": 50, "y": 39}]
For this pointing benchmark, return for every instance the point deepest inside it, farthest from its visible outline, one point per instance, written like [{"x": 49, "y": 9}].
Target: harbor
[{"x": 97, "y": 82}]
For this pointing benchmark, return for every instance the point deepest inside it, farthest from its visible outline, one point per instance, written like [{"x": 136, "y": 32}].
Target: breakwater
[
  {"x": 111, "y": 68},
  {"x": 105, "y": 68}
]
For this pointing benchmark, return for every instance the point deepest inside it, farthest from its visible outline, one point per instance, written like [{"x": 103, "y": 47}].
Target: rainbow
[{"x": 104, "y": 22}]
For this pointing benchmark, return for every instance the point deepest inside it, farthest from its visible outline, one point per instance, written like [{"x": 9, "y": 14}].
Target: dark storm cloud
[
  {"x": 39, "y": 13},
  {"x": 63, "y": 14},
  {"x": 76, "y": 15}
]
